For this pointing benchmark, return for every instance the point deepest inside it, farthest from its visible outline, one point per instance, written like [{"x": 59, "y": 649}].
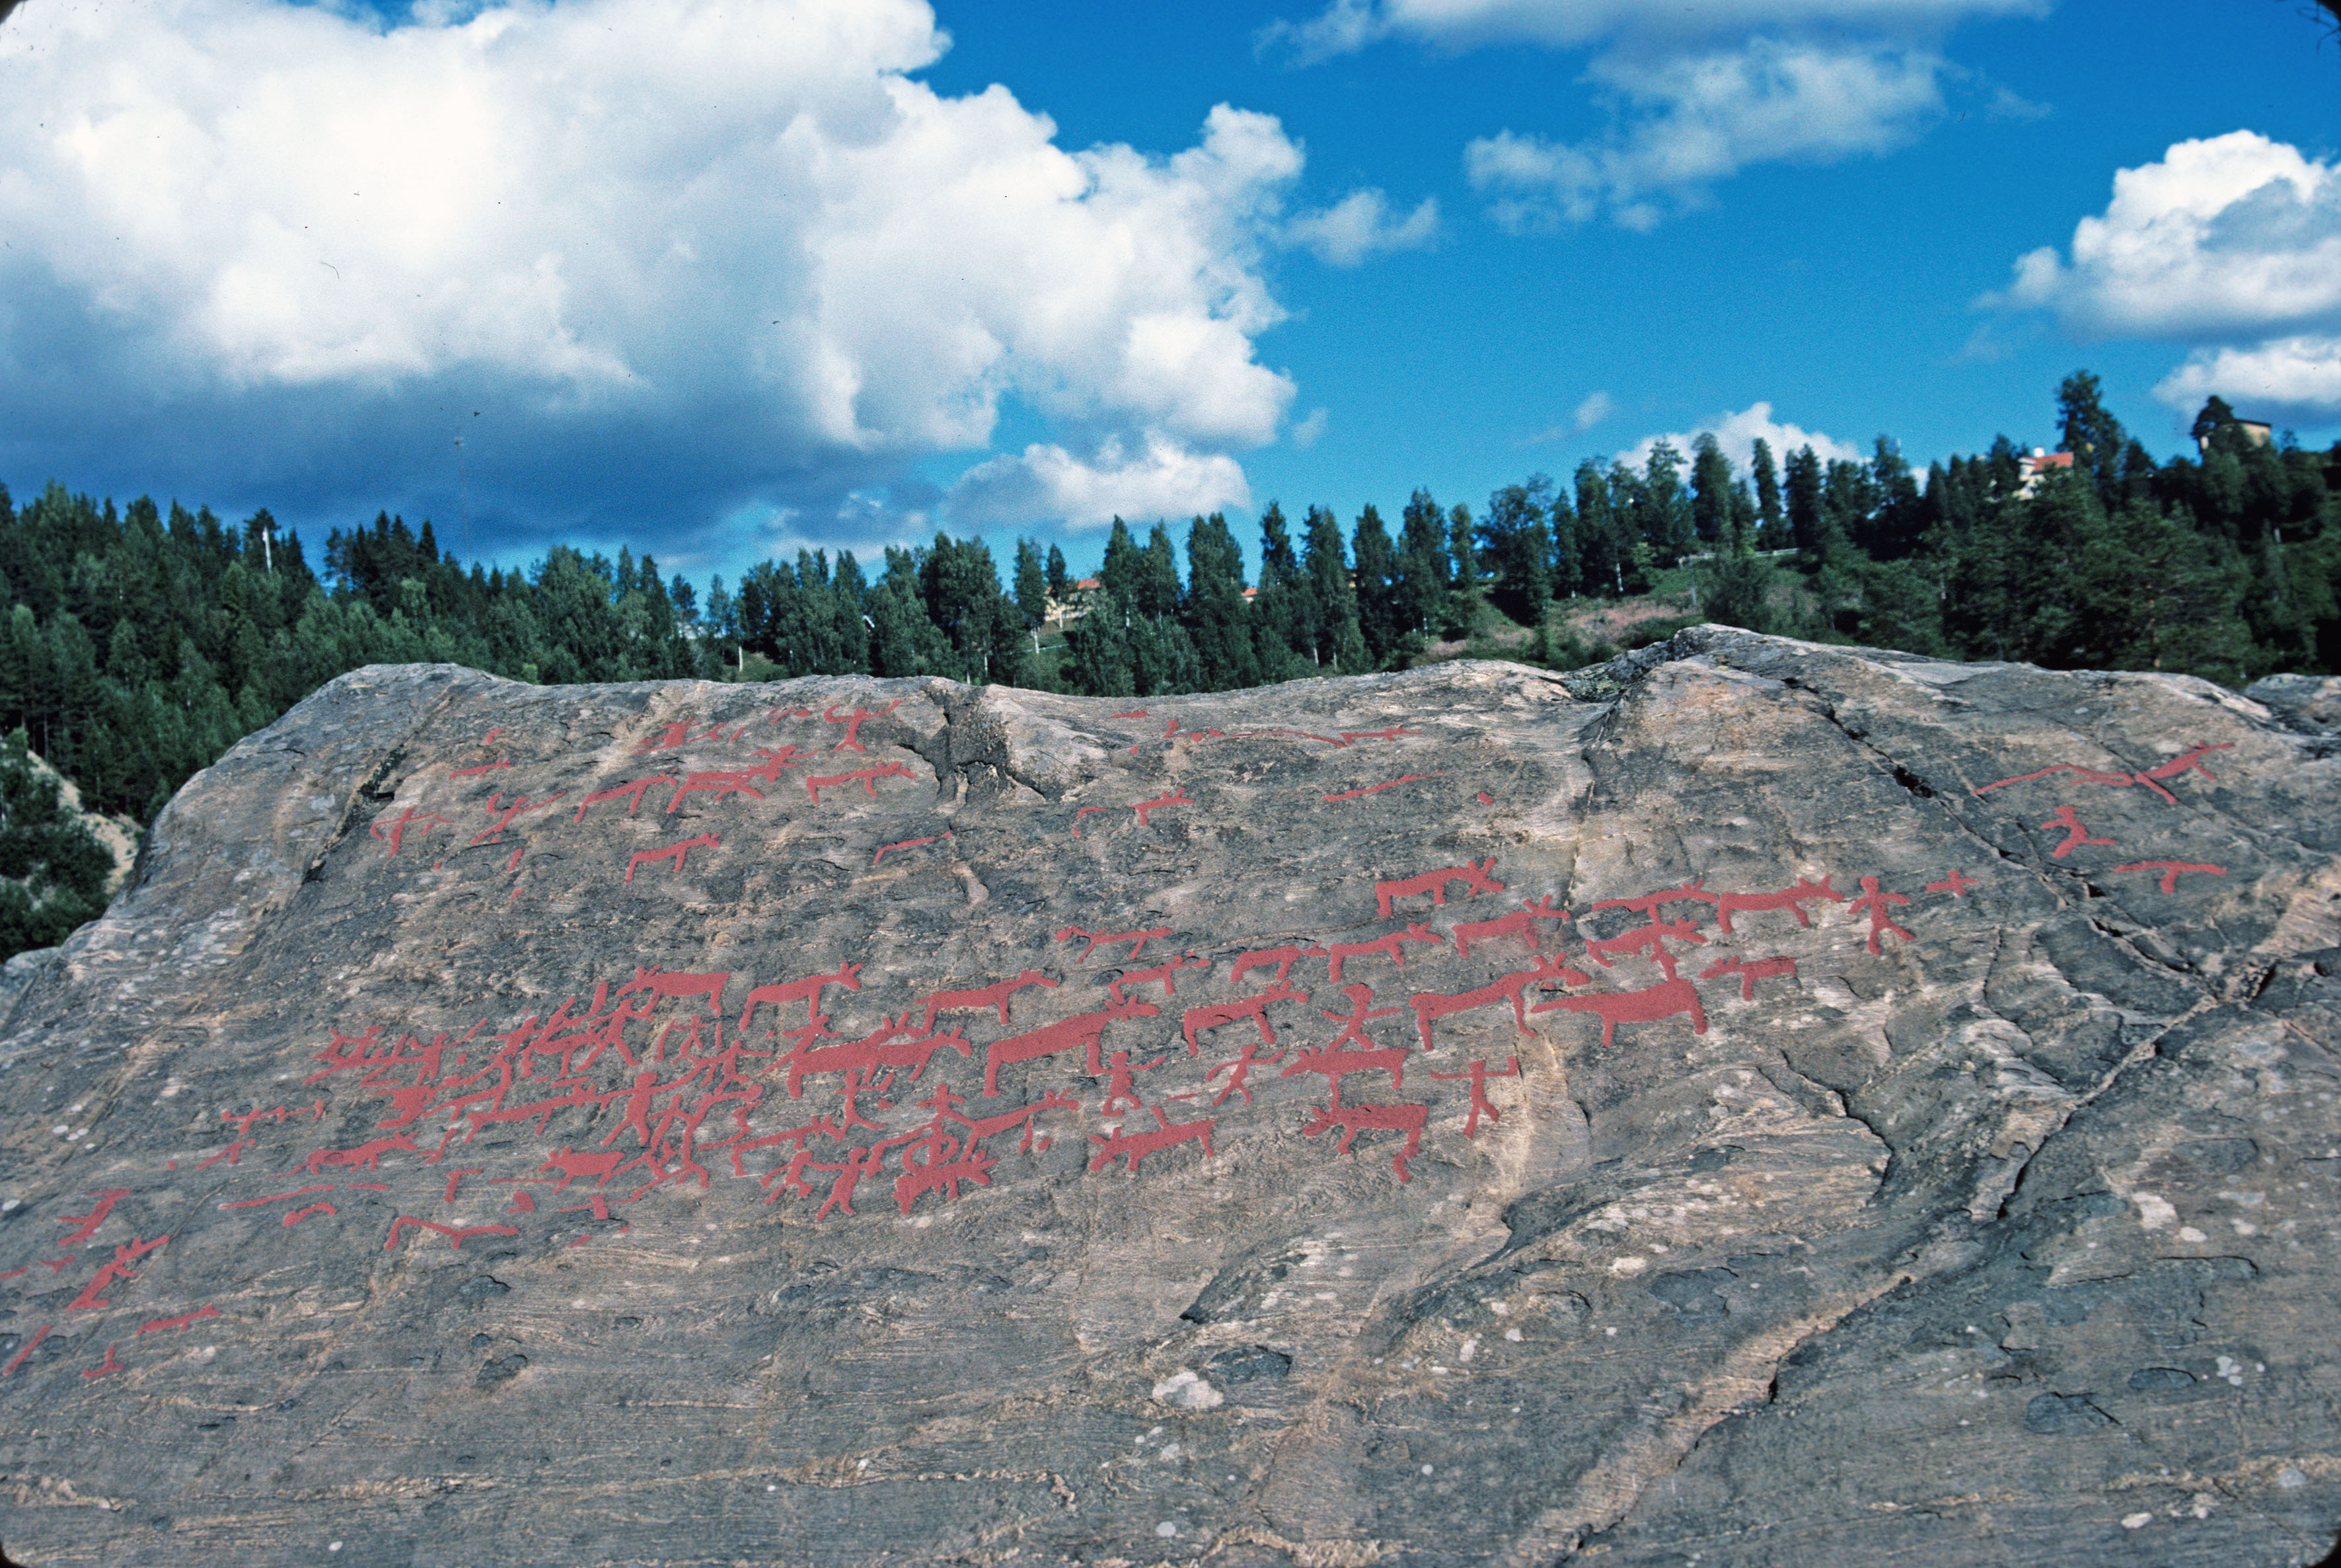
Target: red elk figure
[
  {"x": 396, "y": 835},
  {"x": 807, "y": 991},
  {"x": 659, "y": 983},
  {"x": 1653, "y": 937},
  {"x": 1749, "y": 969},
  {"x": 1282, "y": 958},
  {"x": 674, "y": 852},
  {"x": 366, "y": 1157},
  {"x": 1355, "y": 1119},
  {"x": 1792, "y": 899},
  {"x": 1477, "y": 876},
  {"x": 1390, "y": 947},
  {"x": 1162, "y": 972},
  {"x": 1664, "y": 1000},
  {"x": 1083, "y": 1032},
  {"x": 1132, "y": 1147},
  {"x": 1691, "y": 891},
  {"x": 1096, "y": 939},
  {"x": 993, "y": 995},
  {"x": 1520, "y": 922},
  {"x": 1429, "y": 1005},
  {"x": 632, "y": 794},
  {"x": 894, "y": 1044},
  {"x": 1198, "y": 1019},
  {"x": 866, "y": 778},
  {"x": 721, "y": 783}
]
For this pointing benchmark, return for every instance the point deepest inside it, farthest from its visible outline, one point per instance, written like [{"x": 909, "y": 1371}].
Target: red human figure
[
  {"x": 1477, "y": 876},
  {"x": 1084, "y": 1030},
  {"x": 396, "y": 836},
  {"x": 124, "y": 1255},
  {"x": 1283, "y": 958},
  {"x": 1096, "y": 939},
  {"x": 1663, "y": 1000},
  {"x": 674, "y": 852},
  {"x": 993, "y": 995},
  {"x": 85, "y": 1225},
  {"x": 768, "y": 770},
  {"x": 297, "y": 1215},
  {"x": 668, "y": 735},
  {"x": 807, "y": 991},
  {"x": 720, "y": 783},
  {"x": 1353, "y": 1023},
  {"x": 1520, "y": 922},
  {"x": 1377, "y": 789},
  {"x": 456, "y": 1234},
  {"x": 177, "y": 1325},
  {"x": 1162, "y": 972},
  {"x": 868, "y": 1161},
  {"x": 1146, "y": 808},
  {"x": 866, "y": 778},
  {"x": 1875, "y": 903},
  {"x": 1121, "y": 1089},
  {"x": 1480, "y": 1104},
  {"x": 1215, "y": 1014},
  {"x": 632, "y": 794},
  {"x": 505, "y": 813},
  {"x": 108, "y": 1364},
  {"x": 1132, "y": 1147},
  {"x": 905, "y": 844},
  {"x": 1239, "y": 1071},
  {"x": 1956, "y": 884},
  {"x": 1390, "y": 947},
  {"x": 852, "y": 723},
  {"x": 2172, "y": 870},
  {"x": 706, "y": 988},
  {"x": 18, "y": 1359},
  {"x": 1429, "y": 1005},
  {"x": 1691, "y": 890},
  {"x": 2076, "y": 834},
  {"x": 1355, "y": 1119},
  {"x": 366, "y": 1157},
  {"x": 1749, "y": 969},
  {"x": 1792, "y": 899},
  {"x": 1652, "y": 937},
  {"x": 2192, "y": 757}
]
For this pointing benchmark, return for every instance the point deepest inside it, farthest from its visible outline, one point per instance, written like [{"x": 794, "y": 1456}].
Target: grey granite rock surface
[{"x": 1775, "y": 1104}]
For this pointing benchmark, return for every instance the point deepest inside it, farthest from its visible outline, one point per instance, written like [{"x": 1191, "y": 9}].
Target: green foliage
[{"x": 52, "y": 868}]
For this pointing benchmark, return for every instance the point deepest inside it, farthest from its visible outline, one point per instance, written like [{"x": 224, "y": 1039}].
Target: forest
[{"x": 142, "y": 643}]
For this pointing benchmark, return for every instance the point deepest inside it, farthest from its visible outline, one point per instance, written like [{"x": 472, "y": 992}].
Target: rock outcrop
[{"x": 1752, "y": 1104}]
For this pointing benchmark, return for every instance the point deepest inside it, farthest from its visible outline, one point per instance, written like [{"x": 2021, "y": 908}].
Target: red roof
[
  {"x": 1085, "y": 583},
  {"x": 2036, "y": 462}
]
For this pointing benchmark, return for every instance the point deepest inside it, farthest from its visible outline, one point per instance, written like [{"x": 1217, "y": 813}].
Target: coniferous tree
[
  {"x": 1060, "y": 581},
  {"x": 1711, "y": 491},
  {"x": 1423, "y": 570},
  {"x": 1516, "y": 549},
  {"x": 1601, "y": 533},
  {"x": 1803, "y": 498},
  {"x": 1031, "y": 587},
  {"x": 1380, "y": 619},
  {"x": 1339, "y": 642},
  {"x": 1218, "y": 622},
  {"x": 1772, "y": 524}
]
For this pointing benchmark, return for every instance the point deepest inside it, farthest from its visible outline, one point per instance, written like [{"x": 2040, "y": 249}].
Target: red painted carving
[
  {"x": 1355, "y": 1119},
  {"x": 1478, "y": 876},
  {"x": 1521, "y": 921},
  {"x": 297, "y": 1215},
  {"x": 1487, "y": 799},
  {"x": 1377, "y": 789},
  {"x": 719, "y": 784},
  {"x": 1393, "y": 732},
  {"x": 1792, "y": 899},
  {"x": 1550, "y": 969},
  {"x": 1133, "y": 713},
  {"x": 177, "y": 1325},
  {"x": 513, "y": 864},
  {"x": 632, "y": 794},
  {"x": 366, "y": 1157},
  {"x": 905, "y": 844},
  {"x": 456, "y": 1234},
  {"x": 993, "y": 995},
  {"x": 573, "y": 1164},
  {"x": 1749, "y": 969},
  {"x": 18, "y": 1359},
  {"x": 505, "y": 813},
  {"x": 866, "y": 778},
  {"x": 852, "y": 723},
  {"x": 708, "y": 989},
  {"x": 1096, "y": 939},
  {"x": 1692, "y": 891},
  {"x": 1239, "y": 1070},
  {"x": 1083, "y": 1031},
  {"x": 108, "y": 1364},
  {"x": 1652, "y": 937},
  {"x": 1387, "y": 947},
  {"x": 521, "y": 1204},
  {"x": 1132, "y": 1147},
  {"x": 2076, "y": 834},
  {"x": 2173, "y": 869},
  {"x": 1480, "y": 1104},
  {"x": 674, "y": 852},
  {"x": 2192, "y": 757},
  {"x": 1956, "y": 884},
  {"x": 2087, "y": 775},
  {"x": 1121, "y": 1089},
  {"x": 483, "y": 768},
  {"x": 233, "y": 1152},
  {"x": 395, "y": 835},
  {"x": 870, "y": 1161},
  {"x": 455, "y": 1180},
  {"x": 1282, "y": 958},
  {"x": 807, "y": 991},
  {"x": 597, "y": 1206},
  {"x": 1335, "y": 1060},
  {"x": 85, "y": 1225},
  {"x": 1146, "y": 808},
  {"x": 894, "y": 1044},
  {"x": 279, "y": 1197},
  {"x": 1663, "y": 1000},
  {"x": 1161, "y": 971},
  {"x": 1217, "y": 1013},
  {"x": 1875, "y": 903},
  {"x": 124, "y": 1255}
]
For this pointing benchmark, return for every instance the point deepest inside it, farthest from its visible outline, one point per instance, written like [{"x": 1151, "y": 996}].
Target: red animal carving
[
  {"x": 2076, "y": 834},
  {"x": 1282, "y": 958},
  {"x": 278, "y": 1197},
  {"x": 852, "y": 723},
  {"x": 1239, "y": 1070},
  {"x": 1749, "y": 969},
  {"x": 1478, "y": 876},
  {"x": 1096, "y": 939},
  {"x": 1083, "y": 1032},
  {"x": 2192, "y": 757},
  {"x": 1161, "y": 971},
  {"x": 85, "y": 1225},
  {"x": 1692, "y": 891},
  {"x": 1146, "y": 808},
  {"x": 866, "y": 778},
  {"x": 573, "y": 1164},
  {"x": 2173, "y": 869},
  {"x": 659, "y": 983},
  {"x": 1521, "y": 923},
  {"x": 1663, "y": 1000},
  {"x": 720, "y": 783},
  {"x": 456, "y": 1234},
  {"x": 1429, "y": 1005},
  {"x": 483, "y": 768},
  {"x": 674, "y": 852},
  {"x": 1956, "y": 884},
  {"x": 1212, "y": 1016},
  {"x": 124, "y": 1255},
  {"x": 365, "y": 1156},
  {"x": 1480, "y": 1104},
  {"x": 175, "y": 1325},
  {"x": 1653, "y": 937},
  {"x": 505, "y": 813},
  {"x": 2087, "y": 775},
  {"x": 993, "y": 995},
  {"x": 297, "y": 1215},
  {"x": 396, "y": 835},
  {"x": 894, "y": 1044},
  {"x": 1377, "y": 789},
  {"x": 1874, "y": 903},
  {"x": 807, "y": 991},
  {"x": 1355, "y": 1119},
  {"x": 1335, "y": 1060},
  {"x": 1384, "y": 946},
  {"x": 1132, "y": 1147},
  {"x": 1792, "y": 899}
]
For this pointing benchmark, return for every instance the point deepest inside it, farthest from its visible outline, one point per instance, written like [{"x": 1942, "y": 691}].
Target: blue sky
[{"x": 712, "y": 281}]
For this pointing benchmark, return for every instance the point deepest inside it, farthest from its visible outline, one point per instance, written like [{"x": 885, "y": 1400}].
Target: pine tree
[
  {"x": 1517, "y": 550},
  {"x": 1803, "y": 498},
  {"x": 1772, "y": 530},
  {"x": 1423, "y": 570},
  {"x": 1710, "y": 490},
  {"x": 1380, "y": 620},
  {"x": 1340, "y": 641}
]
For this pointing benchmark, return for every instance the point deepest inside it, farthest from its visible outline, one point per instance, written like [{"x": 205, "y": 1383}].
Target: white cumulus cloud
[
  {"x": 1163, "y": 480},
  {"x": 687, "y": 258},
  {"x": 1736, "y": 434},
  {"x": 1345, "y": 26},
  {"x": 2229, "y": 244}
]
